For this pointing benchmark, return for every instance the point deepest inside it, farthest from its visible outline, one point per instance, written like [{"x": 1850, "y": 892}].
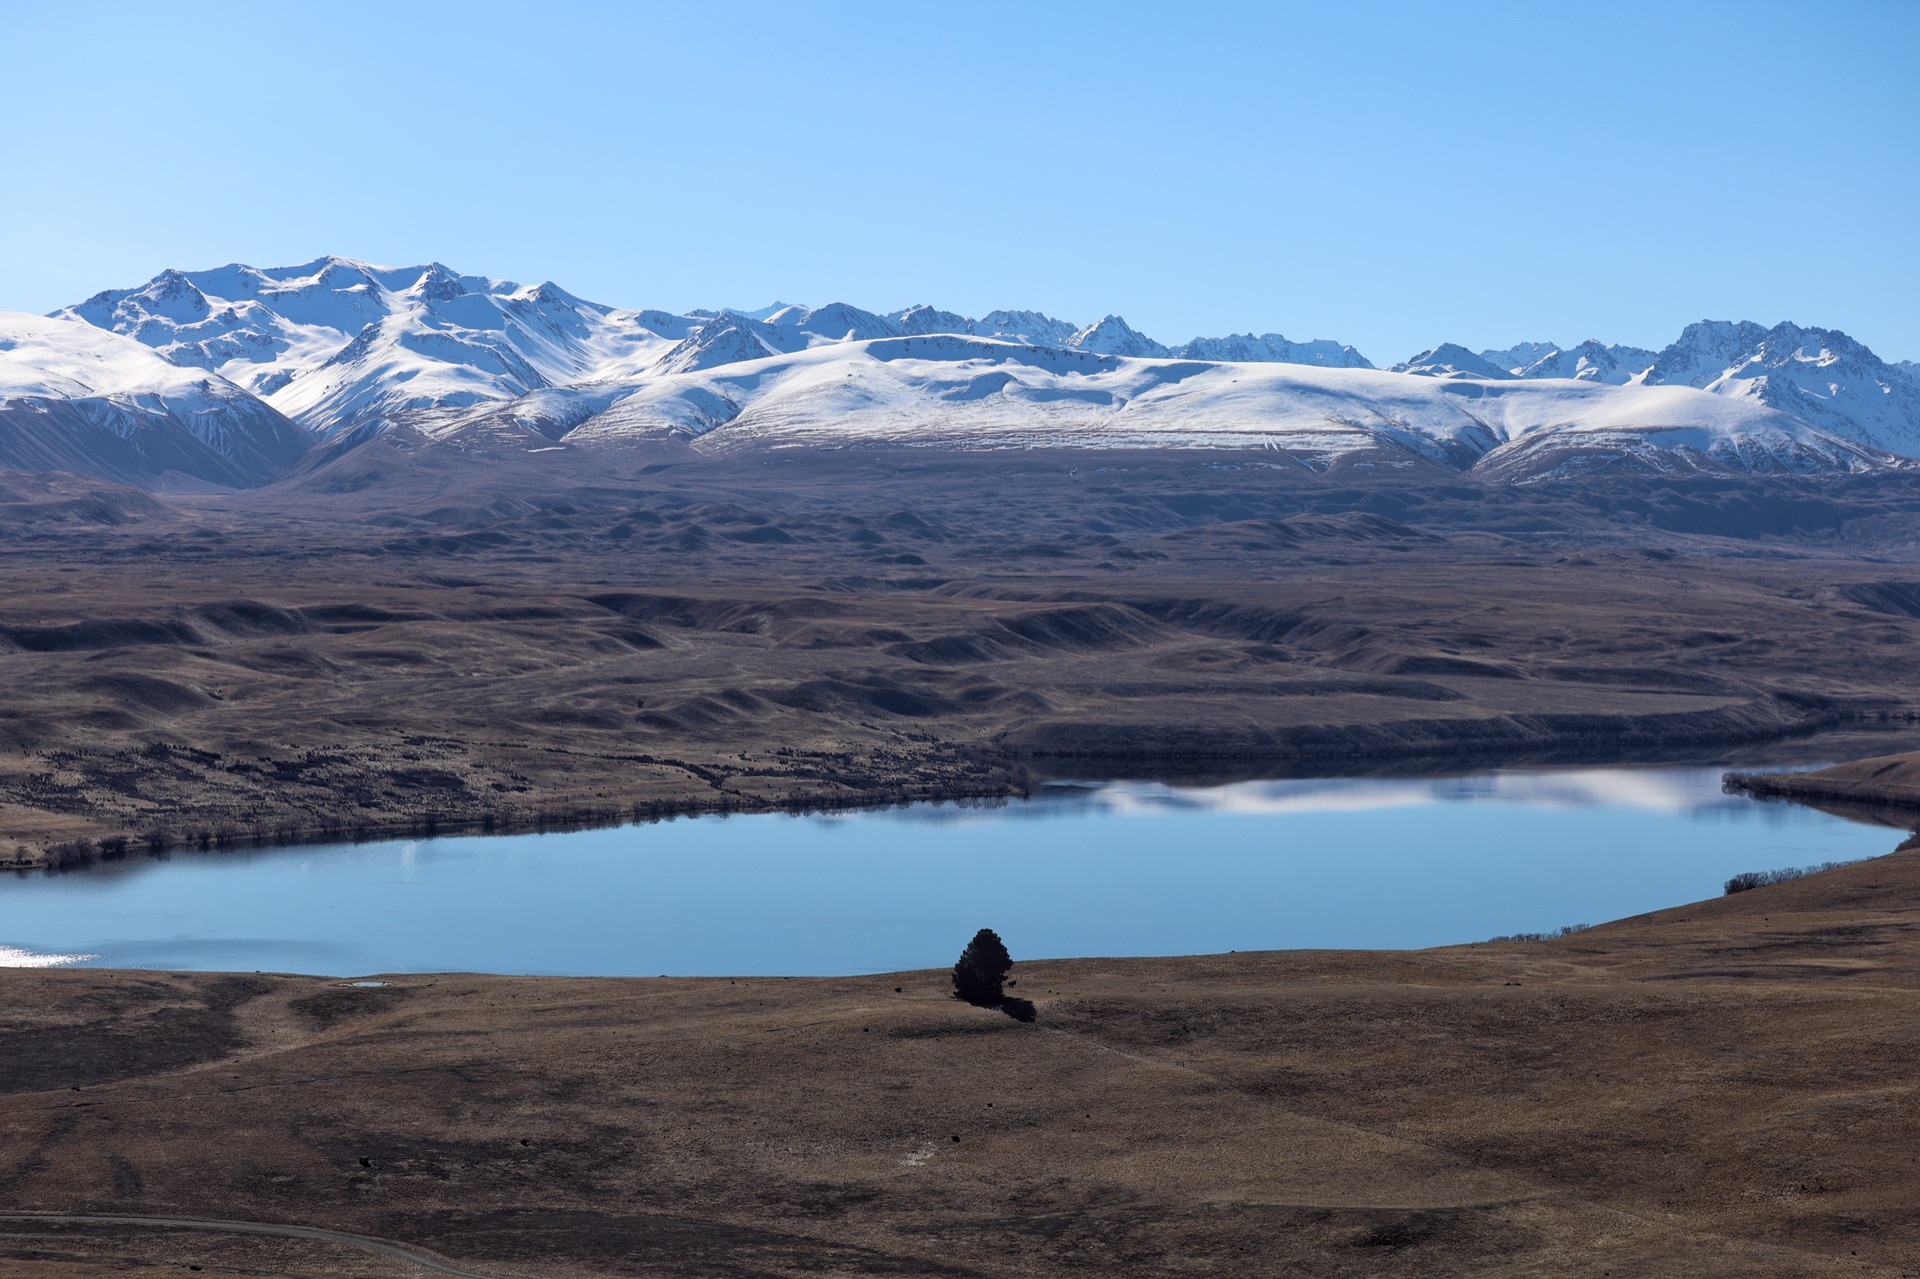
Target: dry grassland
[{"x": 1728, "y": 1088}]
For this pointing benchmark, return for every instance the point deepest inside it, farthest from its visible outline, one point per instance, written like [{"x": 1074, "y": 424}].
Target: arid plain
[
  {"x": 416, "y": 639},
  {"x": 409, "y": 639}
]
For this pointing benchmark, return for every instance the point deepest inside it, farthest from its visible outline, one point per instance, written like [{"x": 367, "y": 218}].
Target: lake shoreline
[
  {"x": 1648, "y": 1095},
  {"x": 1885, "y": 783},
  {"x": 283, "y": 666},
  {"x": 1407, "y": 859},
  {"x": 955, "y": 774}
]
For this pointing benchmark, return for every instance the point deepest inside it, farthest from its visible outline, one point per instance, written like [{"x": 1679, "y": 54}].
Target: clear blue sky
[{"x": 1388, "y": 175}]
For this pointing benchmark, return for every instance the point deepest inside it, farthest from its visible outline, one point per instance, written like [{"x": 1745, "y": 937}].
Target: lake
[{"x": 1117, "y": 868}]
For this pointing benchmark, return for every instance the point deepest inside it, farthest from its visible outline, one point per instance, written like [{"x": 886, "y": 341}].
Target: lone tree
[{"x": 982, "y": 968}]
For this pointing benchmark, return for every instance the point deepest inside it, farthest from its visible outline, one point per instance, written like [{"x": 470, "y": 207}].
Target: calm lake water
[{"x": 1085, "y": 869}]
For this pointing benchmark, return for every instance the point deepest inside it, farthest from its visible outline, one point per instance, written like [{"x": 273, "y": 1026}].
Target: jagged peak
[
  {"x": 843, "y": 320},
  {"x": 728, "y": 338},
  {"x": 1273, "y": 348},
  {"x": 1450, "y": 359},
  {"x": 921, "y": 320},
  {"x": 547, "y": 293},
  {"x": 1521, "y": 354},
  {"x": 1112, "y": 335},
  {"x": 428, "y": 335},
  {"x": 437, "y": 284},
  {"x": 1027, "y": 326}
]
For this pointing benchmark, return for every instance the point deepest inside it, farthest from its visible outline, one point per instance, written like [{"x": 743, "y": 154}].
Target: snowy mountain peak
[
  {"x": 1274, "y": 348},
  {"x": 547, "y": 293},
  {"x": 1451, "y": 360},
  {"x": 75, "y": 397},
  {"x": 338, "y": 344},
  {"x": 1821, "y": 376},
  {"x": 437, "y": 284},
  {"x": 1593, "y": 361},
  {"x": 841, "y": 322},
  {"x": 171, "y": 295},
  {"x": 835, "y": 322},
  {"x": 1114, "y": 336},
  {"x": 921, "y": 320},
  {"x": 728, "y": 338},
  {"x": 1520, "y": 355},
  {"x": 1703, "y": 351},
  {"x": 335, "y": 342},
  {"x": 1032, "y": 327}
]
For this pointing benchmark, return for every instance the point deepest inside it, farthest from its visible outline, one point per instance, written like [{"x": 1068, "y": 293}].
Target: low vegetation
[
  {"x": 1567, "y": 931},
  {"x": 1751, "y": 879}
]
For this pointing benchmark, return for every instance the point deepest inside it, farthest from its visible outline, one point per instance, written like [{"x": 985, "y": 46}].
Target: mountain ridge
[{"x": 338, "y": 348}]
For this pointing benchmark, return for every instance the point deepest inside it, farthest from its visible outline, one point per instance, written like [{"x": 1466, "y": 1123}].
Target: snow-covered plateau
[{"x": 228, "y": 375}]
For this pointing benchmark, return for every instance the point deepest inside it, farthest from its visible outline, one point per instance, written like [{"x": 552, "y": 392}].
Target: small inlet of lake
[{"x": 1115, "y": 868}]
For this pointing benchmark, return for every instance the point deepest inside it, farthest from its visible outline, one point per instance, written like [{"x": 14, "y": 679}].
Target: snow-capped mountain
[
  {"x": 1245, "y": 348},
  {"x": 1026, "y": 326},
  {"x": 334, "y": 342},
  {"x": 752, "y": 313},
  {"x": 1031, "y": 327},
  {"x": 75, "y": 398},
  {"x": 1452, "y": 360},
  {"x": 836, "y": 322},
  {"x": 728, "y": 338},
  {"x": 347, "y": 349},
  {"x": 957, "y": 392},
  {"x": 930, "y": 319},
  {"x": 337, "y": 343},
  {"x": 1817, "y": 375},
  {"x": 1519, "y": 355},
  {"x": 1114, "y": 336},
  {"x": 1592, "y": 361}
]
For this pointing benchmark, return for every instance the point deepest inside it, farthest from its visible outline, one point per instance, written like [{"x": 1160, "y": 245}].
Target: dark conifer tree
[{"x": 982, "y": 969}]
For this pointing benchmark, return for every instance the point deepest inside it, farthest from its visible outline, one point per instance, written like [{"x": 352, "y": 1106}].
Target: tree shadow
[{"x": 1019, "y": 1009}]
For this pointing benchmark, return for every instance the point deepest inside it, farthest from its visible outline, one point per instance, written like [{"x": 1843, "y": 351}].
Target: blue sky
[{"x": 1388, "y": 175}]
